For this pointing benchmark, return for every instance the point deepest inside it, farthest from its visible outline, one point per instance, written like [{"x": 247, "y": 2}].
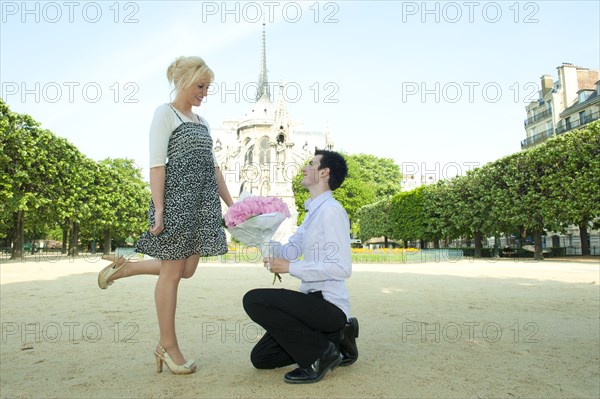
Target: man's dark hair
[{"x": 338, "y": 170}]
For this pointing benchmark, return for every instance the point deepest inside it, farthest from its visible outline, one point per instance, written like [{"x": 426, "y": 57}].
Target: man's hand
[{"x": 277, "y": 265}]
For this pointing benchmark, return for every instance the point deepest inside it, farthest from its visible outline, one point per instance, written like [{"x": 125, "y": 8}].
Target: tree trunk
[
  {"x": 537, "y": 240},
  {"x": 478, "y": 244},
  {"x": 33, "y": 242},
  {"x": 509, "y": 240},
  {"x": 496, "y": 246},
  {"x": 19, "y": 237},
  {"x": 584, "y": 236},
  {"x": 107, "y": 239},
  {"x": 436, "y": 243},
  {"x": 10, "y": 237},
  {"x": 64, "y": 238},
  {"x": 70, "y": 239},
  {"x": 74, "y": 241},
  {"x": 422, "y": 244},
  {"x": 523, "y": 235}
]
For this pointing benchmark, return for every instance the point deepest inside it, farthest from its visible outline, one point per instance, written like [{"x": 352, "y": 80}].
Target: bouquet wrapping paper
[{"x": 254, "y": 220}]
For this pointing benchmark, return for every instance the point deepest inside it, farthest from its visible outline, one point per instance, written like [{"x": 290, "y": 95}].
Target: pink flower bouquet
[{"x": 254, "y": 220}]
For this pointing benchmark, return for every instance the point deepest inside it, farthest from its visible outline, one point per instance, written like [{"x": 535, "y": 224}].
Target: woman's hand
[{"x": 158, "y": 225}]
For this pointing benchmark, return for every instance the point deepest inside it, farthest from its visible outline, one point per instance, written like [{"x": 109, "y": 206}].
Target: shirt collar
[{"x": 312, "y": 204}]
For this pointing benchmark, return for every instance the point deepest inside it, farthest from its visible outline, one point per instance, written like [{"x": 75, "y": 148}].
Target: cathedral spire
[
  {"x": 263, "y": 83},
  {"x": 281, "y": 112}
]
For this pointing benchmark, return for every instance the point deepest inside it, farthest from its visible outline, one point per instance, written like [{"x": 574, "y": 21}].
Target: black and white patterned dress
[{"x": 192, "y": 209}]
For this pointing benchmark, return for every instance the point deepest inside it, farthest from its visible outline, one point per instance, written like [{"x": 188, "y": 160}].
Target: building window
[
  {"x": 582, "y": 120},
  {"x": 248, "y": 156},
  {"x": 264, "y": 189},
  {"x": 568, "y": 123},
  {"x": 264, "y": 155}
]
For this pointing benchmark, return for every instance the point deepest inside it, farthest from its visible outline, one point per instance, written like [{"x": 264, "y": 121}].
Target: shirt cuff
[{"x": 295, "y": 268}]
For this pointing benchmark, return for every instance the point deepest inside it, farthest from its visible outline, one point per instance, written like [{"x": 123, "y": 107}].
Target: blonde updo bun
[{"x": 185, "y": 71}]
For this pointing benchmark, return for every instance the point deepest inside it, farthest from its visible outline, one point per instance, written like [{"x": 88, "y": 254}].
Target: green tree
[
  {"x": 472, "y": 203},
  {"x": 122, "y": 201},
  {"x": 519, "y": 193},
  {"x": 438, "y": 212},
  {"x": 571, "y": 180},
  {"x": 46, "y": 182},
  {"x": 23, "y": 146},
  {"x": 358, "y": 189},
  {"x": 374, "y": 220},
  {"x": 369, "y": 179},
  {"x": 383, "y": 172},
  {"x": 407, "y": 216}
]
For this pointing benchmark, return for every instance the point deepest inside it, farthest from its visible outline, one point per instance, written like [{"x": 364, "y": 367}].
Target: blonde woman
[{"x": 185, "y": 211}]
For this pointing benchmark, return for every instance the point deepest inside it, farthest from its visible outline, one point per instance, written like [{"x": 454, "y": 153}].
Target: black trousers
[{"x": 299, "y": 326}]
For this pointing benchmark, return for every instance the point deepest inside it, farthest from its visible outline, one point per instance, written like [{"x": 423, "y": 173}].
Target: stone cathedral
[{"x": 263, "y": 150}]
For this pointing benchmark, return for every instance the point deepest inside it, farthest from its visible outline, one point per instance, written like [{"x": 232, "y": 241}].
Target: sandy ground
[{"x": 467, "y": 329}]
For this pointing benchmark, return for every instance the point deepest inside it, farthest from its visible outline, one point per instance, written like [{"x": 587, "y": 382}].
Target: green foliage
[
  {"x": 300, "y": 194},
  {"x": 549, "y": 186},
  {"x": 358, "y": 189},
  {"x": 369, "y": 179},
  {"x": 123, "y": 199},
  {"x": 46, "y": 183},
  {"x": 407, "y": 215},
  {"x": 437, "y": 211},
  {"x": 382, "y": 172},
  {"x": 374, "y": 220},
  {"x": 573, "y": 196}
]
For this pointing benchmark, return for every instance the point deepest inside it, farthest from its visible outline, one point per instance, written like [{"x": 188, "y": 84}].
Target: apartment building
[{"x": 567, "y": 103}]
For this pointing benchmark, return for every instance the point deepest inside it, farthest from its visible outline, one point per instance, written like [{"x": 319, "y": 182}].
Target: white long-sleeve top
[
  {"x": 324, "y": 240},
  {"x": 164, "y": 122}
]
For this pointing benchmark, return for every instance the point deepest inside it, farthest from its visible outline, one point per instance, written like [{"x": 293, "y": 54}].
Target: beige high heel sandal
[
  {"x": 108, "y": 271},
  {"x": 162, "y": 356}
]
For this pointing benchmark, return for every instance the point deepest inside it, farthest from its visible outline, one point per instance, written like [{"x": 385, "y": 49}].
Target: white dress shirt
[{"x": 324, "y": 240}]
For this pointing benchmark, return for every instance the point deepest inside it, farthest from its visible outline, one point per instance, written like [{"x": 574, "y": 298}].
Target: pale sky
[{"x": 436, "y": 86}]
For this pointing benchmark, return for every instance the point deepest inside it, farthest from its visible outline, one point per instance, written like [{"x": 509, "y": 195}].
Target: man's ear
[{"x": 324, "y": 173}]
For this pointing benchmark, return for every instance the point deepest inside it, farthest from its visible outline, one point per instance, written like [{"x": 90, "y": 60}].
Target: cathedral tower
[{"x": 262, "y": 151}]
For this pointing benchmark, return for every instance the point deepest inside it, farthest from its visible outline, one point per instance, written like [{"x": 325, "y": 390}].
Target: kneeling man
[{"x": 311, "y": 328}]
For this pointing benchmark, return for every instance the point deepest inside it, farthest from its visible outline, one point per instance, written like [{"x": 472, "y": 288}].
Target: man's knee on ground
[
  {"x": 250, "y": 300},
  {"x": 259, "y": 361}
]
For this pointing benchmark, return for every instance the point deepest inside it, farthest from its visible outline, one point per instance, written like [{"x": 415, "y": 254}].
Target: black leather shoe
[
  {"x": 348, "y": 346},
  {"x": 329, "y": 360}
]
